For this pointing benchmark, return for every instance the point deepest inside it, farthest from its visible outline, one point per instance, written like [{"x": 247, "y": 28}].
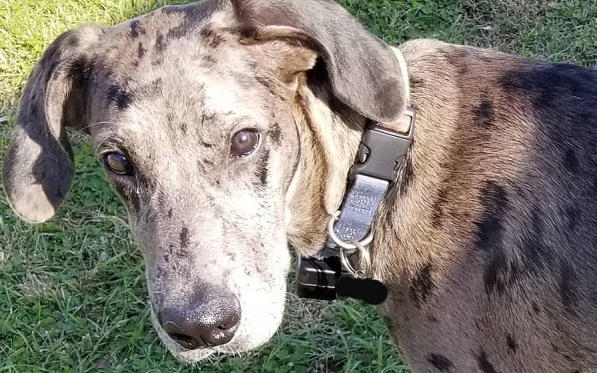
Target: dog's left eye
[
  {"x": 118, "y": 164},
  {"x": 244, "y": 142}
]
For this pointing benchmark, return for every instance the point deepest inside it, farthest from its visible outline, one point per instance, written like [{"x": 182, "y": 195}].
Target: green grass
[{"x": 72, "y": 290}]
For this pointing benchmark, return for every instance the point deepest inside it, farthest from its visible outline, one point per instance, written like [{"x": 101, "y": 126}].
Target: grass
[{"x": 72, "y": 290}]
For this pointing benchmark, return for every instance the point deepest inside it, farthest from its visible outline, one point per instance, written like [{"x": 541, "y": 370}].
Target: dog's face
[{"x": 193, "y": 114}]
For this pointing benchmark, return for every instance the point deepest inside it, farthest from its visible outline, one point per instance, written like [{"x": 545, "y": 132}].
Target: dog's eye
[
  {"x": 244, "y": 142},
  {"x": 118, "y": 164}
]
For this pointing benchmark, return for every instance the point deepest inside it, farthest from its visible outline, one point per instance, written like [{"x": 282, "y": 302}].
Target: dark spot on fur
[
  {"x": 206, "y": 144},
  {"x": 432, "y": 318},
  {"x": 180, "y": 31},
  {"x": 536, "y": 254},
  {"x": 415, "y": 82},
  {"x": 275, "y": 134},
  {"x": 208, "y": 61},
  {"x": 120, "y": 97},
  {"x": 262, "y": 168},
  {"x": 571, "y": 161},
  {"x": 157, "y": 62},
  {"x": 490, "y": 235},
  {"x": 141, "y": 51},
  {"x": 484, "y": 113},
  {"x": 437, "y": 212},
  {"x": 184, "y": 237},
  {"x": 422, "y": 285},
  {"x": 440, "y": 362},
  {"x": 170, "y": 213},
  {"x": 136, "y": 29},
  {"x": 511, "y": 343},
  {"x": 210, "y": 37},
  {"x": 484, "y": 364},
  {"x": 567, "y": 286},
  {"x": 183, "y": 127},
  {"x": 160, "y": 44}
]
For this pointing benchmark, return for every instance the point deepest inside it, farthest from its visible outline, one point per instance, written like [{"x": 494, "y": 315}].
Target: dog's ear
[
  {"x": 362, "y": 70},
  {"x": 38, "y": 167}
]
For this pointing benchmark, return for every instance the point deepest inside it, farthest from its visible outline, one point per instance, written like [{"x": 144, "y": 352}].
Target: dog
[{"x": 228, "y": 129}]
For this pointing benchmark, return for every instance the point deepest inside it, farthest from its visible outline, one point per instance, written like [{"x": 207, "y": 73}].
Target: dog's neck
[{"x": 330, "y": 139}]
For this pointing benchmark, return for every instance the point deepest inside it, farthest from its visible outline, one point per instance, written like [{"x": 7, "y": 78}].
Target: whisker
[{"x": 80, "y": 130}]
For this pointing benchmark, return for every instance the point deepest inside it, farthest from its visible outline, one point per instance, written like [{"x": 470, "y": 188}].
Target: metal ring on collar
[
  {"x": 344, "y": 244},
  {"x": 364, "y": 258}
]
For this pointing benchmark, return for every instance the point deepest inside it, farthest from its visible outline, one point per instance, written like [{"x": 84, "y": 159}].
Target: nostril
[
  {"x": 181, "y": 335},
  {"x": 211, "y": 319},
  {"x": 229, "y": 320},
  {"x": 185, "y": 341}
]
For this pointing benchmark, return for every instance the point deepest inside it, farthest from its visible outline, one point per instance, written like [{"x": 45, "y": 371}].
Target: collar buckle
[{"x": 383, "y": 150}]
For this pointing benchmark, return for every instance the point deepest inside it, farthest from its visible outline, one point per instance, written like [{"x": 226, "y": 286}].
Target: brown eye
[
  {"x": 244, "y": 142},
  {"x": 118, "y": 164}
]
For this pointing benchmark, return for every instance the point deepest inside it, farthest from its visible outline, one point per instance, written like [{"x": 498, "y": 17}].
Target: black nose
[{"x": 210, "y": 318}]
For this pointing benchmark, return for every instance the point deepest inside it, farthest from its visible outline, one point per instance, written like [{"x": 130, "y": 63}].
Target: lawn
[{"x": 73, "y": 294}]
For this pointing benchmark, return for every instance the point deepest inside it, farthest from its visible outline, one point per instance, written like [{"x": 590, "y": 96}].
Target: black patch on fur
[
  {"x": 567, "y": 285},
  {"x": 437, "y": 212},
  {"x": 422, "y": 285},
  {"x": 571, "y": 161},
  {"x": 160, "y": 43},
  {"x": 440, "y": 362},
  {"x": 416, "y": 82},
  {"x": 484, "y": 364},
  {"x": 206, "y": 144},
  {"x": 490, "y": 236},
  {"x": 262, "y": 168},
  {"x": 191, "y": 14},
  {"x": 183, "y": 127},
  {"x": 210, "y": 37},
  {"x": 170, "y": 212},
  {"x": 550, "y": 85},
  {"x": 208, "y": 61},
  {"x": 120, "y": 97},
  {"x": 141, "y": 50},
  {"x": 136, "y": 29},
  {"x": 511, "y": 343},
  {"x": 184, "y": 237},
  {"x": 536, "y": 254},
  {"x": 484, "y": 113},
  {"x": 275, "y": 134}
]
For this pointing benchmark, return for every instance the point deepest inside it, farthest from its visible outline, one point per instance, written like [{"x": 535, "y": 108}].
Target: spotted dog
[{"x": 228, "y": 129}]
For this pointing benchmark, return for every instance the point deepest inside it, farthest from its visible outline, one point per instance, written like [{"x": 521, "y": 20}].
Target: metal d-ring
[
  {"x": 364, "y": 261},
  {"x": 348, "y": 245}
]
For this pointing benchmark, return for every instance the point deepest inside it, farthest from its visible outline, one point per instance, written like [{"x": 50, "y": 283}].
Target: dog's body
[{"x": 485, "y": 242}]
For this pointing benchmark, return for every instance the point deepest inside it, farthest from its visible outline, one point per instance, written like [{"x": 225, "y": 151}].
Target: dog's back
[{"x": 498, "y": 221}]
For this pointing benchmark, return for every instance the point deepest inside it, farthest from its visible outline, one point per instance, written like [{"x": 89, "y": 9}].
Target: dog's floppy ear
[
  {"x": 362, "y": 70},
  {"x": 38, "y": 167}
]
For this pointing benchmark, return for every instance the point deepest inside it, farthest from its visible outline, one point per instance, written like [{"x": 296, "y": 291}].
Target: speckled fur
[{"x": 486, "y": 242}]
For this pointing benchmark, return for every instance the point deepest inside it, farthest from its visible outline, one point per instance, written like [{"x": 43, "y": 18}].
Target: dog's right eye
[{"x": 118, "y": 164}]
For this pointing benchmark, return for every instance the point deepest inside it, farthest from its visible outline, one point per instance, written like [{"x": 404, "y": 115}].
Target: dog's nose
[{"x": 210, "y": 319}]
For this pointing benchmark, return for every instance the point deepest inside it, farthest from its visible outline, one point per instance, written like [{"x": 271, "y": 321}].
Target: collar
[{"x": 381, "y": 157}]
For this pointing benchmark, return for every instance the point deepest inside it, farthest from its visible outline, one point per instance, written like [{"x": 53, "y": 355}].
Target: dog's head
[{"x": 203, "y": 117}]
